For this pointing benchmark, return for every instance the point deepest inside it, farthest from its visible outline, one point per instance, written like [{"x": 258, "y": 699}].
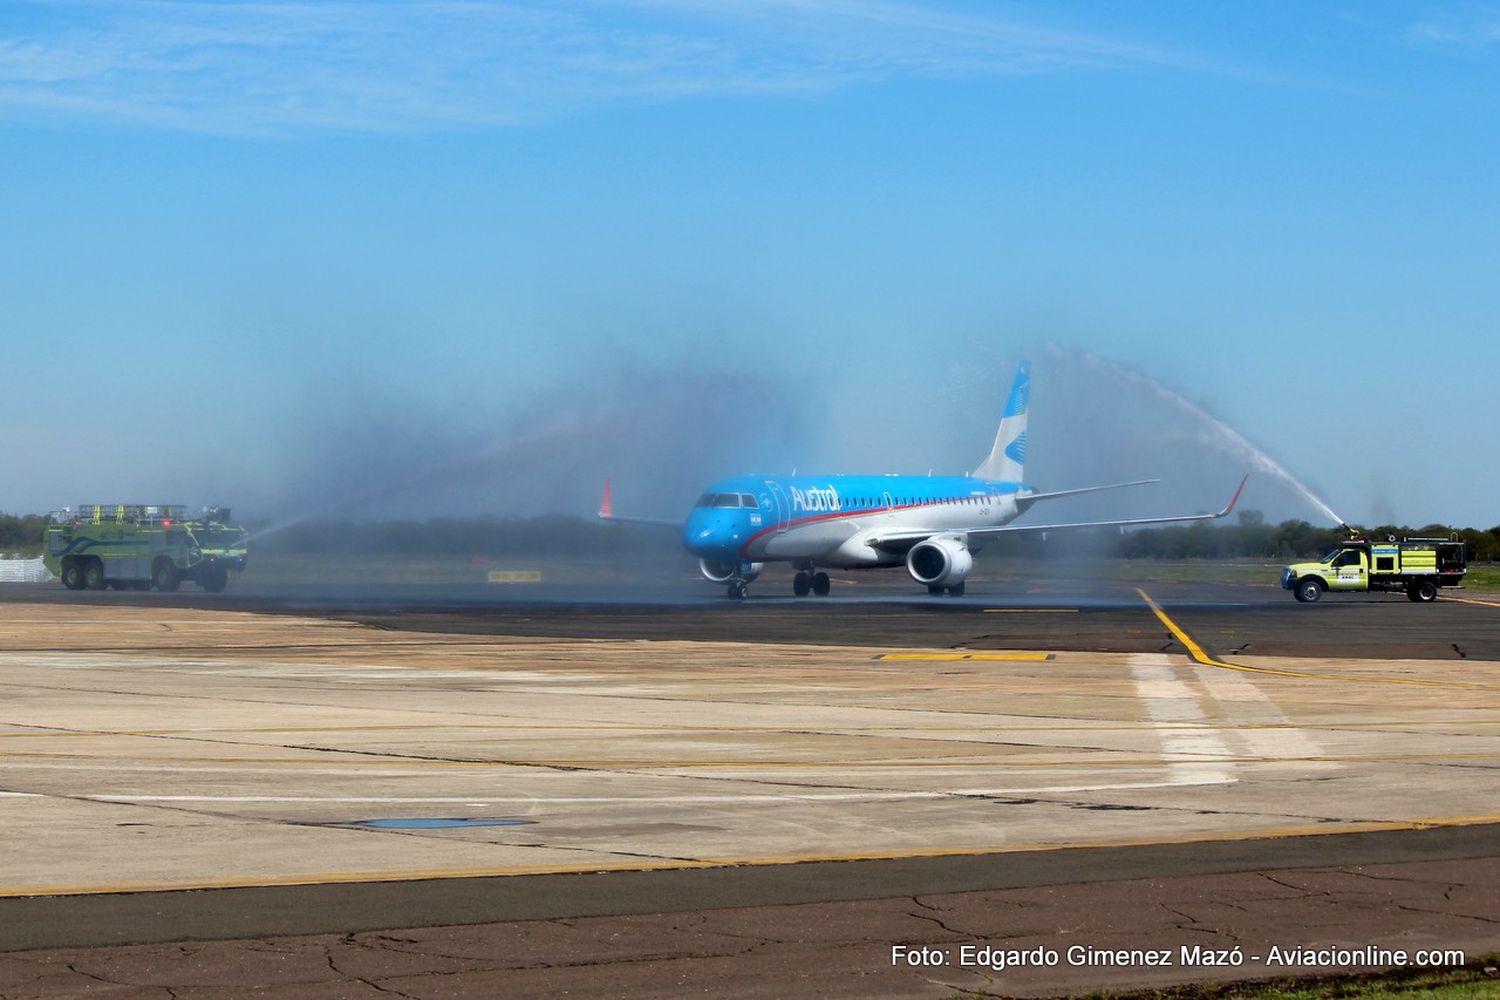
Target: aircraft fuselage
[{"x": 831, "y": 520}]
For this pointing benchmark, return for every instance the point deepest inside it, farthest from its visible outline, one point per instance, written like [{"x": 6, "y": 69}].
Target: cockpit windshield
[{"x": 724, "y": 500}]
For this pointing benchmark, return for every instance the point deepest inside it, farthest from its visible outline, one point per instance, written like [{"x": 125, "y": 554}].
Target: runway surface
[
  {"x": 685, "y": 754},
  {"x": 1046, "y": 612}
]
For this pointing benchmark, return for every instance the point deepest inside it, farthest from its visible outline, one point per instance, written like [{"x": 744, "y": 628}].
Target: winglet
[
  {"x": 607, "y": 505},
  {"x": 1234, "y": 499}
]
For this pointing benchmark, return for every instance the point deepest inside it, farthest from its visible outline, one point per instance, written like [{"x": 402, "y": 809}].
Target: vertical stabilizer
[{"x": 1007, "y": 459}]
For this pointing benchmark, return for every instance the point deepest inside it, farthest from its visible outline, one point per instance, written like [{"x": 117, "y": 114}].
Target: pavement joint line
[
  {"x": 1487, "y": 720},
  {"x": 647, "y": 865},
  {"x": 1198, "y": 655},
  {"x": 971, "y": 760}
]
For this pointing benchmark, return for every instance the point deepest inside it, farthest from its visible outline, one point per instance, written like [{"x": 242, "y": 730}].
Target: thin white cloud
[
  {"x": 1481, "y": 30},
  {"x": 280, "y": 68}
]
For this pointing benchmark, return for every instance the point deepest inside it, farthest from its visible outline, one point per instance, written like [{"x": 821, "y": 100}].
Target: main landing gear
[
  {"x": 937, "y": 590},
  {"x": 806, "y": 582}
]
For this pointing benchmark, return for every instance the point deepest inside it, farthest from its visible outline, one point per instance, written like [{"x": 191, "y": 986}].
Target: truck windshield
[
  {"x": 219, "y": 537},
  {"x": 1330, "y": 556}
]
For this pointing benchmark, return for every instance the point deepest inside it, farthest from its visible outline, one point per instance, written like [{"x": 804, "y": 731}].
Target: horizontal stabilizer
[{"x": 1026, "y": 500}]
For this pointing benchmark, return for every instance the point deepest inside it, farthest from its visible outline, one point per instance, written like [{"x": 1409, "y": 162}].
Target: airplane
[{"x": 931, "y": 524}]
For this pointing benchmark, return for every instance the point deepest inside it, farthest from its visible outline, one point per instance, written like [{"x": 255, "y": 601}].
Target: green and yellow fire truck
[
  {"x": 140, "y": 546},
  {"x": 1418, "y": 566}
]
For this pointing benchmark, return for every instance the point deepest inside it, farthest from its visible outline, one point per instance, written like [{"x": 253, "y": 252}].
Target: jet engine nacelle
[
  {"x": 943, "y": 561},
  {"x": 724, "y": 570}
]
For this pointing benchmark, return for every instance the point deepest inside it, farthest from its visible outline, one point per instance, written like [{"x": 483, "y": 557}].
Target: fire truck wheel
[
  {"x": 164, "y": 575},
  {"x": 1309, "y": 590},
  {"x": 214, "y": 580},
  {"x": 1423, "y": 592},
  {"x": 93, "y": 575},
  {"x": 72, "y": 574}
]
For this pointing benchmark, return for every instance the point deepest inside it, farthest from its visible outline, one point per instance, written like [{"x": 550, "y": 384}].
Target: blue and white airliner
[{"x": 931, "y": 524}]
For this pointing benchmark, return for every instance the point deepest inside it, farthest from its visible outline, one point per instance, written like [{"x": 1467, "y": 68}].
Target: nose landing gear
[{"x": 738, "y": 589}]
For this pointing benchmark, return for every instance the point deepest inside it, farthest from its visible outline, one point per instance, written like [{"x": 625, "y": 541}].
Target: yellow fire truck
[
  {"x": 140, "y": 546},
  {"x": 1418, "y": 566}
]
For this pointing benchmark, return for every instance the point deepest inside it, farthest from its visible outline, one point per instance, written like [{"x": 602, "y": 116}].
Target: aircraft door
[{"x": 782, "y": 503}]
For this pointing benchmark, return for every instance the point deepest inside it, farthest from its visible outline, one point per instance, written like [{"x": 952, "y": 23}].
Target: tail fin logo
[
  {"x": 1020, "y": 393},
  {"x": 1016, "y": 450}
]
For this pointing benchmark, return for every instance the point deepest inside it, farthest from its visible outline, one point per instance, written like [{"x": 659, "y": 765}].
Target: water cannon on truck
[
  {"x": 141, "y": 546},
  {"x": 1417, "y": 566}
]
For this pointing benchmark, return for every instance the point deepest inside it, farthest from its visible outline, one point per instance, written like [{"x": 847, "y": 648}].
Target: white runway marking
[
  {"x": 1232, "y": 689},
  {"x": 1170, "y": 700}
]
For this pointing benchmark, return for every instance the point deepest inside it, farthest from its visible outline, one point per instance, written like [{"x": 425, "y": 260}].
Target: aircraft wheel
[
  {"x": 957, "y": 590},
  {"x": 802, "y": 584},
  {"x": 165, "y": 576},
  {"x": 93, "y": 575},
  {"x": 820, "y": 584},
  {"x": 738, "y": 589},
  {"x": 1309, "y": 590}
]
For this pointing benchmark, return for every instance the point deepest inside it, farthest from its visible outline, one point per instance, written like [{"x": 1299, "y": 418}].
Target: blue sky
[{"x": 280, "y": 234}]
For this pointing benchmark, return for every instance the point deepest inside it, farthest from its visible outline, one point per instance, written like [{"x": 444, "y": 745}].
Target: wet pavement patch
[{"x": 440, "y": 823}]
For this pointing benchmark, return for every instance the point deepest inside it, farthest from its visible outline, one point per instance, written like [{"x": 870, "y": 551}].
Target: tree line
[{"x": 22, "y": 533}]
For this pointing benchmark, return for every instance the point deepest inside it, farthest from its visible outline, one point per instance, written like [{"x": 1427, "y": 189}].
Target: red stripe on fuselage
[{"x": 851, "y": 514}]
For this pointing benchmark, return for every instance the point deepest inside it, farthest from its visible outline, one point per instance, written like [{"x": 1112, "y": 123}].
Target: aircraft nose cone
[{"x": 710, "y": 535}]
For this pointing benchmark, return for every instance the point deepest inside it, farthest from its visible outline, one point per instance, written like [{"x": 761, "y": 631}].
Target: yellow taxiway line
[
  {"x": 1197, "y": 653},
  {"x": 728, "y": 861},
  {"x": 1008, "y": 657},
  {"x": 1472, "y": 600}
]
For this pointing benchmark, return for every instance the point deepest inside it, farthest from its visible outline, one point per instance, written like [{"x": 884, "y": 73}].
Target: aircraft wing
[
  {"x": 607, "y": 513},
  {"x": 899, "y": 540},
  {"x": 1122, "y": 523}
]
